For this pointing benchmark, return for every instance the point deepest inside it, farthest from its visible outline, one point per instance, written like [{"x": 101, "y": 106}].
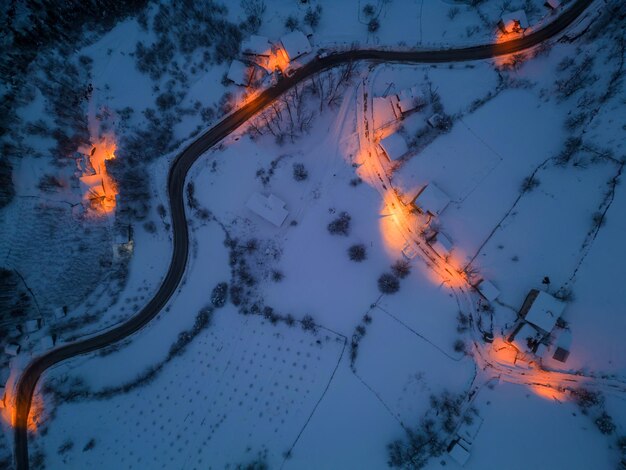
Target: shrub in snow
[
  {"x": 463, "y": 322},
  {"x": 354, "y": 182},
  {"x": 586, "y": 399},
  {"x": 219, "y": 295},
  {"x": 289, "y": 320},
  {"x": 368, "y": 10},
  {"x": 90, "y": 445},
  {"x": 373, "y": 25},
  {"x": 565, "y": 294},
  {"x": 292, "y": 23},
  {"x": 357, "y": 252},
  {"x": 312, "y": 16},
  {"x": 277, "y": 276},
  {"x": 401, "y": 268},
  {"x": 388, "y": 283},
  {"x": 299, "y": 172},
  {"x": 341, "y": 225},
  {"x": 605, "y": 423},
  {"x": 367, "y": 319},
  {"x": 308, "y": 324},
  {"x": 66, "y": 446},
  {"x": 529, "y": 183},
  {"x": 459, "y": 346}
]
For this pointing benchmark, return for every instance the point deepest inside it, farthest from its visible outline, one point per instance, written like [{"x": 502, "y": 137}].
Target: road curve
[{"x": 184, "y": 161}]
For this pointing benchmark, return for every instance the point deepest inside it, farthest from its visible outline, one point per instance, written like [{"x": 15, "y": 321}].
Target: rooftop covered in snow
[
  {"x": 269, "y": 207},
  {"x": 431, "y": 199},
  {"x": 394, "y": 146},
  {"x": 295, "y": 44},
  {"x": 511, "y": 22},
  {"x": 239, "y": 73},
  {"x": 256, "y": 45},
  {"x": 542, "y": 310}
]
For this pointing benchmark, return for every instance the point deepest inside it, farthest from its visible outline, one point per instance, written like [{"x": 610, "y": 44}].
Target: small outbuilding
[
  {"x": 513, "y": 22},
  {"x": 271, "y": 208},
  {"x": 552, "y": 4},
  {"x": 30, "y": 326},
  {"x": 295, "y": 44},
  {"x": 440, "y": 244},
  {"x": 431, "y": 200},
  {"x": 256, "y": 46},
  {"x": 12, "y": 349},
  {"x": 487, "y": 290},
  {"x": 435, "y": 120},
  {"x": 394, "y": 146},
  {"x": 525, "y": 338},
  {"x": 240, "y": 73},
  {"x": 459, "y": 453},
  {"x": 409, "y": 99}
]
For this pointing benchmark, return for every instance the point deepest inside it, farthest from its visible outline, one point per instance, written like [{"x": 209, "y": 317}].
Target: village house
[
  {"x": 514, "y": 22},
  {"x": 240, "y": 74},
  {"x": 409, "y": 99},
  {"x": 30, "y": 326},
  {"x": 440, "y": 244},
  {"x": 487, "y": 290},
  {"x": 256, "y": 46},
  {"x": 431, "y": 200},
  {"x": 270, "y": 208},
  {"x": 12, "y": 349},
  {"x": 537, "y": 318},
  {"x": 295, "y": 44},
  {"x": 394, "y": 146}
]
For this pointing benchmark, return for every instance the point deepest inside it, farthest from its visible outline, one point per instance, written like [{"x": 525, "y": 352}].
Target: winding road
[{"x": 183, "y": 162}]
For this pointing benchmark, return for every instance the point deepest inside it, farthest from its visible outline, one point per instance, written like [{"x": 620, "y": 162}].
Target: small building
[
  {"x": 487, "y": 290},
  {"x": 552, "y": 4},
  {"x": 59, "y": 312},
  {"x": 12, "y": 349},
  {"x": 541, "y": 310},
  {"x": 435, "y": 120},
  {"x": 431, "y": 200},
  {"x": 240, "y": 73},
  {"x": 409, "y": 99},
  {"x": 394, "y": 146},
  {"x": 295, "y": 44},
  {"x": 513, "y": 22},
  {"x": 271, "y": 208},
  {"x": 409, "y": 251},
  {"x": 458, "y": 452},
  {"x": 256, "y": 46},
  {"x": 46, "y": 342},
  {"x": 385, "y": 110},
  {"x": 440, "y": 244},
  {"x": 525, "y": 338},
  {"x": 30, "y": 326},
  {"x": 560, "y": 354}
]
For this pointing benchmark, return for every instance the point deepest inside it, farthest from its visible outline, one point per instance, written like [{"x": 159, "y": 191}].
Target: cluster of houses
[{"x": 259, "y": 57}]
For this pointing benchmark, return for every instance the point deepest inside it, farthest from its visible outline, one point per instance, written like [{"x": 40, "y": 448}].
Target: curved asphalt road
[{"x": 185, "y": 160}]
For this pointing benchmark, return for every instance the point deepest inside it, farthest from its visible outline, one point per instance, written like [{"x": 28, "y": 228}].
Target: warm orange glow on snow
[
  {"x": 503, "y": 352},
  {"x": 548, "y": 392},
  {"x": 99, "y": 189},
  {"x": 277, "y": 59},
  {"x": 34, "y": 417}
]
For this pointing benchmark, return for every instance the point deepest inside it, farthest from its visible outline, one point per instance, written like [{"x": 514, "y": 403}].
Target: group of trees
[{"x": 429, "y": 438}]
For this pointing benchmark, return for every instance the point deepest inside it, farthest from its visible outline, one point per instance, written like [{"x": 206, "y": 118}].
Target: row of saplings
[{"x": 389, "y": 282}]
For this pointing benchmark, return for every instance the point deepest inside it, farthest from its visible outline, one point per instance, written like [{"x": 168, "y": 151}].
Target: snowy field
[{"x": 309, "y": 365}]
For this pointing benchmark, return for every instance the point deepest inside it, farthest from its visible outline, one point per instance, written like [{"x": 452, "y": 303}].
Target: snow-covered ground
[{"x": 260, "y": 381}]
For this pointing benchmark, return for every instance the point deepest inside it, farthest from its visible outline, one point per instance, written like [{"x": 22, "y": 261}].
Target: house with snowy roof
[
  {"x": 431, "y": 200},
  {"x": 440, "y": 244},
  {"x": 513, "y": 22},
  {"x": 295, "y": 44},
  {"x": 394, "y": 146},
  {"x": 270, "y": 208},
  {"x": 239, "y": 73},
  {"x": 258, "y": 46}
]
